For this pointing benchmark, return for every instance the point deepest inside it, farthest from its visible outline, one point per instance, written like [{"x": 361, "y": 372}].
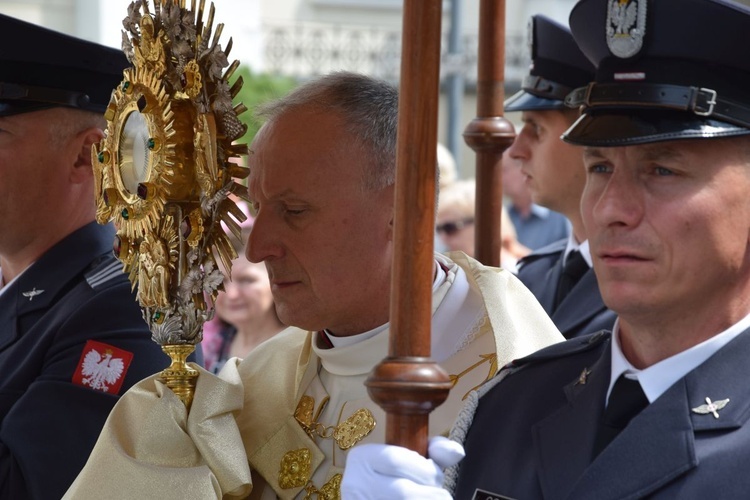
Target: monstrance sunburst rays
[{"x": 167, "y": 167}]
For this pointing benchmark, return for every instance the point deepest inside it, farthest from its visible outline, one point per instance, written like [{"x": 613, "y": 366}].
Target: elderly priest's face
[{"x": 325, "y": 239}]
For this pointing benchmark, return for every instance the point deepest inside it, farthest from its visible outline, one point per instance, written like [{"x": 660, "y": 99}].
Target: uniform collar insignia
[
  {"x": 626, "y": 26},
  {"x": 711, "y": 407},
  {"x": 583, "y": 377},
  {"x": 32, "y": 293}
]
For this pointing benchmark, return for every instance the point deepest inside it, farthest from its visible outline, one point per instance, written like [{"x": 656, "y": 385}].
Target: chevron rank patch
[{"x": 102, "y": 367}]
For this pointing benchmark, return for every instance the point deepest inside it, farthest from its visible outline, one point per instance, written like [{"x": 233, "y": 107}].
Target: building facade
[{"x": 305, "y": 38}]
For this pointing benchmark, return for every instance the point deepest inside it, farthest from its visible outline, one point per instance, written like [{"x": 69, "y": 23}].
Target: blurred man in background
[
  {"x": 560, "y": 274},
  {"x": 536, "y": 226}
]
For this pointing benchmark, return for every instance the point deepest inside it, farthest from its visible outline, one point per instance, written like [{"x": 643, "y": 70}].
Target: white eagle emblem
[
  {"x": 99, "y": 372},
  {"x": 626, "y": 26},
  {"x": 623, "y": 16}
]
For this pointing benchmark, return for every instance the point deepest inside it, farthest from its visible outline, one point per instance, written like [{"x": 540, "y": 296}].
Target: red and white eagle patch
[{"x": 102, "y": 367}]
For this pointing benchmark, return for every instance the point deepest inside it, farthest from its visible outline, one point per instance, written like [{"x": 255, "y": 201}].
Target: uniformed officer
[
  {"x": 560, "y": 274},
  {"x": 72, "y": 338},
  {"x": 660, "y": 408}
]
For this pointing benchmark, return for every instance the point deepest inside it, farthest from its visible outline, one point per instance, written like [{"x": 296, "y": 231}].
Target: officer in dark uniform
[
  {"x": 560, "y": 274},
  {"x": 660, "y": 408},
  {"x": 72, "y": 338}
]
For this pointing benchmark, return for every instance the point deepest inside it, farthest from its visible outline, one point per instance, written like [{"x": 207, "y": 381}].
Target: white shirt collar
[
  {"x": 581, "y": 247},
  {"x": 5, "y": 287},
  {"x": 656, "y": 379},
  {"x": 440, "y": 277},
  {"x": 354, "y": 339}
]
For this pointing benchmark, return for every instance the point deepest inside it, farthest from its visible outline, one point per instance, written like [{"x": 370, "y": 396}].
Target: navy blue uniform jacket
[
  {"x": 583, "y": 310},
  {"x": 75, "y": 293},
  {"x": 533, "y": 433}
]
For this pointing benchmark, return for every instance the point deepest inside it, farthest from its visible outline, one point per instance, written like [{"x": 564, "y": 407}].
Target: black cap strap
[
  {"x": 697, "y": 100},
  {"x": 15, "y": 92},
  {"x": 541, "y": 87}
]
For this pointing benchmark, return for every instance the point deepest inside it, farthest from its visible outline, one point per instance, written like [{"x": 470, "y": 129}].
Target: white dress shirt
[{"x": 657, "y": 378}]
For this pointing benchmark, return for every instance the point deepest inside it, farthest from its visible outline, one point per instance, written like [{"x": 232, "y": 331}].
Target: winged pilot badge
[
  {"x": 32, "y": 293},
  {"x": 711, "y": 407}
]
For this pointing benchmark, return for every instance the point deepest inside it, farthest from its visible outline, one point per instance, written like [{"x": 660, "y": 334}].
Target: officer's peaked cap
[
  {"x": 557, "y": 67},
  {"x": 41, "y": 68},
  {"x": 665, "y": 70}
]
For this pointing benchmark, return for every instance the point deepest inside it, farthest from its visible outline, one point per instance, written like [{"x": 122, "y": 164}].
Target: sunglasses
[{"x": 451, "y": 228}]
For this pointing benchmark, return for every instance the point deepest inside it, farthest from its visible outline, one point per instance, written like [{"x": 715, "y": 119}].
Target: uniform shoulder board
[
  {"x": 567, "y": 348},
  {"x": 102, "y": 271}
]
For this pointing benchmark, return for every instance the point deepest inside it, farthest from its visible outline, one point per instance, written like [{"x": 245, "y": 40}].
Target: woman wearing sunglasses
[{"x": 455, "y": 224}]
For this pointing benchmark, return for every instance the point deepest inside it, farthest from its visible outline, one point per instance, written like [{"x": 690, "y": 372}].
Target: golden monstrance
[{"x": 165, "y": 171}]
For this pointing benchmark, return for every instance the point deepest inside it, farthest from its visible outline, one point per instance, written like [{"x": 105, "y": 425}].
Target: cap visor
[{"x": 608, "y": 128}]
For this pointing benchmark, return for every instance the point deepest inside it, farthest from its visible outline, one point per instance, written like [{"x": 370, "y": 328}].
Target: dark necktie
[
  {"x": 625, "y": 402},
  {"x": 573, "y": 270}
]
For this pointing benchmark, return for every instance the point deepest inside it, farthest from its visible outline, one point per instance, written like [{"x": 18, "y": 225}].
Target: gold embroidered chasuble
[{"x": 296, "y": 408}]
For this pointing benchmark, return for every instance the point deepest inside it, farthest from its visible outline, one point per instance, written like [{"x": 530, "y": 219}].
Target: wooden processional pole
[
  {"x": 407, "y": 384},
  {"x": 489, "y": 134}
]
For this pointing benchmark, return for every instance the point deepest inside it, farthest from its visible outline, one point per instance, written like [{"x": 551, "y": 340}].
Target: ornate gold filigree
[
  {"x": 304, "y": 411},
  {"x": 330, "y": 491},
  {"x": 179, "y": 376},
  {"x": 294, "y": 471},
  {"x": 346, "y": 434},
  {"x": 136, "y": 207},
  {"x": 352, "y": 430},
  {"x": 193, "y": 79},
  {"x": 168, "y": 163}
]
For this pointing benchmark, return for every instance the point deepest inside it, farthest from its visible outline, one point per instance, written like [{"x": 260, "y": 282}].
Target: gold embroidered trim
[
  {"x": 304, "y": 412},
  {"x": 484, "y": 358},
  {"x": 346, "y": 434},
  {"x": 294, "y": 470},
  {"x": 330, "y": 491},
  {"x": 354, "y": 428}
]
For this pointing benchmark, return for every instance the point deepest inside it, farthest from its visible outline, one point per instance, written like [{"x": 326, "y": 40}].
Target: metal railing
[{"x": 305, "y": 50}]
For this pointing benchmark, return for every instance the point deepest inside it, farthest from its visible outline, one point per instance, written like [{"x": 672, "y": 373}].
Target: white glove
[
  {"x": 445, "y": 452},
  {"x": 379, "y": 471}
]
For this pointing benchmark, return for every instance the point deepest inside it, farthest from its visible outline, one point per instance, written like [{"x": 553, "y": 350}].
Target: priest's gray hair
[{"x": 369, "y": 108}]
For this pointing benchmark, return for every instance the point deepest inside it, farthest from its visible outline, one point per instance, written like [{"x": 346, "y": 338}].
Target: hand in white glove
[
  {"x": 445, "y": 452},
  {"x": 379, "y": 471}
]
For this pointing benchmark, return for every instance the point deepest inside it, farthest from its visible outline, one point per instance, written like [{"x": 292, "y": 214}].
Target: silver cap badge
[{"x": 626, "y": 26}]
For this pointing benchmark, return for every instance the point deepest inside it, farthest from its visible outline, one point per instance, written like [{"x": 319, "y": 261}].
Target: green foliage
[{"x": 257, "y": 89}]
